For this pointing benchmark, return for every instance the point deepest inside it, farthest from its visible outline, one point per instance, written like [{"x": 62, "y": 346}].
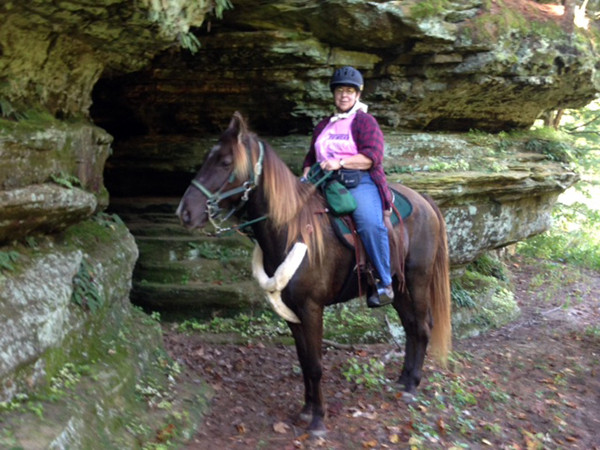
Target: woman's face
[{"x": 345, "y": 97}]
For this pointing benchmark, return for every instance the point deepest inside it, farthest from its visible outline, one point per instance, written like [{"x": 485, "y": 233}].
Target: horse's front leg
[
  {"x": 297, "y": 332},
  {"x": 308, "y": 336}
]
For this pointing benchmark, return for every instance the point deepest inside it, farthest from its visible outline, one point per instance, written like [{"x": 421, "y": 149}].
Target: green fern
[
  {"x": 85, "y": 288},
  {"x": 65, "y": 180},
  {"x": 7, "y": 260}
]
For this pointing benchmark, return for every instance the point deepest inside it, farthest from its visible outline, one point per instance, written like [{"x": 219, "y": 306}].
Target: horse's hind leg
[
  {"x": 308, "y": 337},
  {"x": 413, "y": 309}
]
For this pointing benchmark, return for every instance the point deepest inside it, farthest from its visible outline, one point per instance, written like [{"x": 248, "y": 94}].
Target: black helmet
[{"x": 346, "y": 76}]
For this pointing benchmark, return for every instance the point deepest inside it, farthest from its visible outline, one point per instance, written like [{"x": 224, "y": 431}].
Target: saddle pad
[{"x": 402, "y": 204}]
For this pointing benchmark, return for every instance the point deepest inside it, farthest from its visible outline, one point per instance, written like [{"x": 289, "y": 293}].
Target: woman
[{"x": 352, "y": 139}]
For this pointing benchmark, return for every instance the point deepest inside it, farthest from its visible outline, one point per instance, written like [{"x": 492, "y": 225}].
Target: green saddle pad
[{"x": 402, "y": 204}]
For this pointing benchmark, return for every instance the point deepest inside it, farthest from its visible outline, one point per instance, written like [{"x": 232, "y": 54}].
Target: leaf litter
[{"x": 532, "y": 384}]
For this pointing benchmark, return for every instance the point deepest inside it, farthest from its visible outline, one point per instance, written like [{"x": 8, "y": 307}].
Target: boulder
[
  {"x": 42, "y": 208},
  {"x": 39, "y": 298},
  {"x": 69, "y": 334},
  {"x": 51, "y": 174}
]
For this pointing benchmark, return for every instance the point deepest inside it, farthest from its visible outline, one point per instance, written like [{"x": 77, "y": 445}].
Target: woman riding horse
[
  {"x": 352, "y": 140},
  {"x": 293, "y": 235}
]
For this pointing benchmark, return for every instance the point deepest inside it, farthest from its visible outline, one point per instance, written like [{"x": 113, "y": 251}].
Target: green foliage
[
  {"x": 574, "y": 237},
  {"x": 464, "y": 288},
  {"x": 400, "y": 169},
  {"x": 175, "y": 17},
  {"x": 505, "y": 21},
  {"x": 263, "y": 325},
  {"x": 68, "y": 377},
  {"x": 460, "y": 296},
  {"x": 8, "y": 111},
  {"x": 7, "y": 260},
  {"x": 446, "y": 165},
  {"x": 107, "y": 220},
  {"x": 85, "y": 288},
  {"x": 66, "y": 180},
  {"x": 31, "y": 242},
  {"x": 592, "y": 331},
  {"x": 479, "y": 137},
  {"x": 556, "y": 151},
  {"x": 487, "y": 265},
  {"x": 208, "y": 250},
  {"x": 428, "y": 8},
  {"x": 350, "y": 323},
  {"x": 346, "y": 323},
  {"x": 371, "y": 374},
  {"x": 23, "y": 403}
]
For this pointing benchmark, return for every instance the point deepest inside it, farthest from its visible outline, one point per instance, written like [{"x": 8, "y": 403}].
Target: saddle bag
[{"x": 339, "y": 198}]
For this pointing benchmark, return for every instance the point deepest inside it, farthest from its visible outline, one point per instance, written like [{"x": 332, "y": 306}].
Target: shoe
[{"x": 381, "y": 297}]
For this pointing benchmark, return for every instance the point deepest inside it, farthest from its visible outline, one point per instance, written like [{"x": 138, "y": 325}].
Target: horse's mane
[{"x": 292, "y": 206}]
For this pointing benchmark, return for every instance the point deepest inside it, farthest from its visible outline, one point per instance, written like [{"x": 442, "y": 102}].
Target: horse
[{"x": 300, "y": 260}]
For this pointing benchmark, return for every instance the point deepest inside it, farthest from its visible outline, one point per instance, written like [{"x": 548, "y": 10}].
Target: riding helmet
[{"x": 346, "y": 76}]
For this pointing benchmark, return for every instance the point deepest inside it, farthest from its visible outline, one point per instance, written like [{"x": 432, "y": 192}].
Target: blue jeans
[{"x": 370, "y": 227}]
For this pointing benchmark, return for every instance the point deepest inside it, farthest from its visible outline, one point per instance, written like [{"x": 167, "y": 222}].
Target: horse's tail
[{"x": 441, "y": 333}]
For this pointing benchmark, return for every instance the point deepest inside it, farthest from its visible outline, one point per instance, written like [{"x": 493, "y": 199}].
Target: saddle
[{"x": 345, "y": 230}]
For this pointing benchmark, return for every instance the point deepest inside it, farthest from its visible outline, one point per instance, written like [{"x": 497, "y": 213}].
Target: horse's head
[{"x": 224, "y": 180}]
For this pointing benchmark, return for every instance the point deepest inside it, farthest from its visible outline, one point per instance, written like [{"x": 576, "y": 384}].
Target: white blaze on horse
[{"x": 303, "y": 265}]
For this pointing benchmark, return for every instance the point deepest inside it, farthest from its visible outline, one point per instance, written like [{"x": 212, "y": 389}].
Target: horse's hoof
[
  {"x": 318, "y": 434},
  {"x": 317, "y": 428},
  {"x": 408, "y": 397},
  {"x": 304, "y": 417}
]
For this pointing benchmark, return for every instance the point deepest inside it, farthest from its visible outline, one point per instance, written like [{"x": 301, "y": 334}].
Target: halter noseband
[{"x": 213, "y": 200}]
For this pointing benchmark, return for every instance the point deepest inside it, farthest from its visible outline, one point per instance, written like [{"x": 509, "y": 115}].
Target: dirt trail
[{"x": 533, "y": 384}]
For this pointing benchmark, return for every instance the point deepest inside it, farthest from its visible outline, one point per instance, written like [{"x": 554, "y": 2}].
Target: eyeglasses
[{"x": 345, "y": 90}]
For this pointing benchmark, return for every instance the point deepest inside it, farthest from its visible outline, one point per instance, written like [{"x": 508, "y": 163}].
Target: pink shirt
[{"x": 336, "y": 141}]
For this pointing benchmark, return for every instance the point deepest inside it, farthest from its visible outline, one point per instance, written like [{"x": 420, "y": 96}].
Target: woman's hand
[{"x": 330, "y": 164}]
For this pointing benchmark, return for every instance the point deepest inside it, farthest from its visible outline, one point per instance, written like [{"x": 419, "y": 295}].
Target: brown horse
[{"x": 244, "y": 174}]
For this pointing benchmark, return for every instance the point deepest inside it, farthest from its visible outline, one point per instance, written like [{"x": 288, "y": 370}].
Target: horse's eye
[{"x": 226, "y": 162}]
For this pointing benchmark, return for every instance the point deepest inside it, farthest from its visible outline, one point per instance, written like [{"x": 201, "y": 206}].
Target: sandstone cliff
[{"x": 95, "y": 92}]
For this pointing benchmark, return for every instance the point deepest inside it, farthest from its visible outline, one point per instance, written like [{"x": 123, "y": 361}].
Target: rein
[{"x": 214, "y": 199}]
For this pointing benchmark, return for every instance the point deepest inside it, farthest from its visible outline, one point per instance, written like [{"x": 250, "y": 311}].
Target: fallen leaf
[
  {"x": 370, "y": 444},
  {"x": 280, "y": 427},
  {"x": 486, "y": 442},
  {"x": 441, "y": 425},
  {"x": 394, "y": 438},
  {"x": 414, "y": 443},
  {"x": 166, "y": 433},
  {"x": 241, "y": 428}
]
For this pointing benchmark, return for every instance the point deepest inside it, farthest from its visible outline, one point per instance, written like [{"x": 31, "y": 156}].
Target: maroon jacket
[{"x": 369, "y": 140}]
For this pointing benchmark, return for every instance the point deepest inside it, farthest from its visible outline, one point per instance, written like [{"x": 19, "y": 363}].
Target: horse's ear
[{"x": 238, "y": 125}]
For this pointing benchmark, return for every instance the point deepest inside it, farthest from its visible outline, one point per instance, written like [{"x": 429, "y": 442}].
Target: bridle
[{"x": 213, "y": 199}]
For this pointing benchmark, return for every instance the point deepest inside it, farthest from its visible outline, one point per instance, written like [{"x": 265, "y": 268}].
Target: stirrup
[{"x": 380, "y": 297}]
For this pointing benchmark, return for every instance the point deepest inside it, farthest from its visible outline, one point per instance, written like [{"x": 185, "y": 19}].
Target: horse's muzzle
[
  {"x": 188, "y": 218},
  {"x": 185, "y": 217}
]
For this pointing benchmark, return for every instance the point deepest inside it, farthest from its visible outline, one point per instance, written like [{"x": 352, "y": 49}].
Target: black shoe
[{"x": 381, "y": 297}]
